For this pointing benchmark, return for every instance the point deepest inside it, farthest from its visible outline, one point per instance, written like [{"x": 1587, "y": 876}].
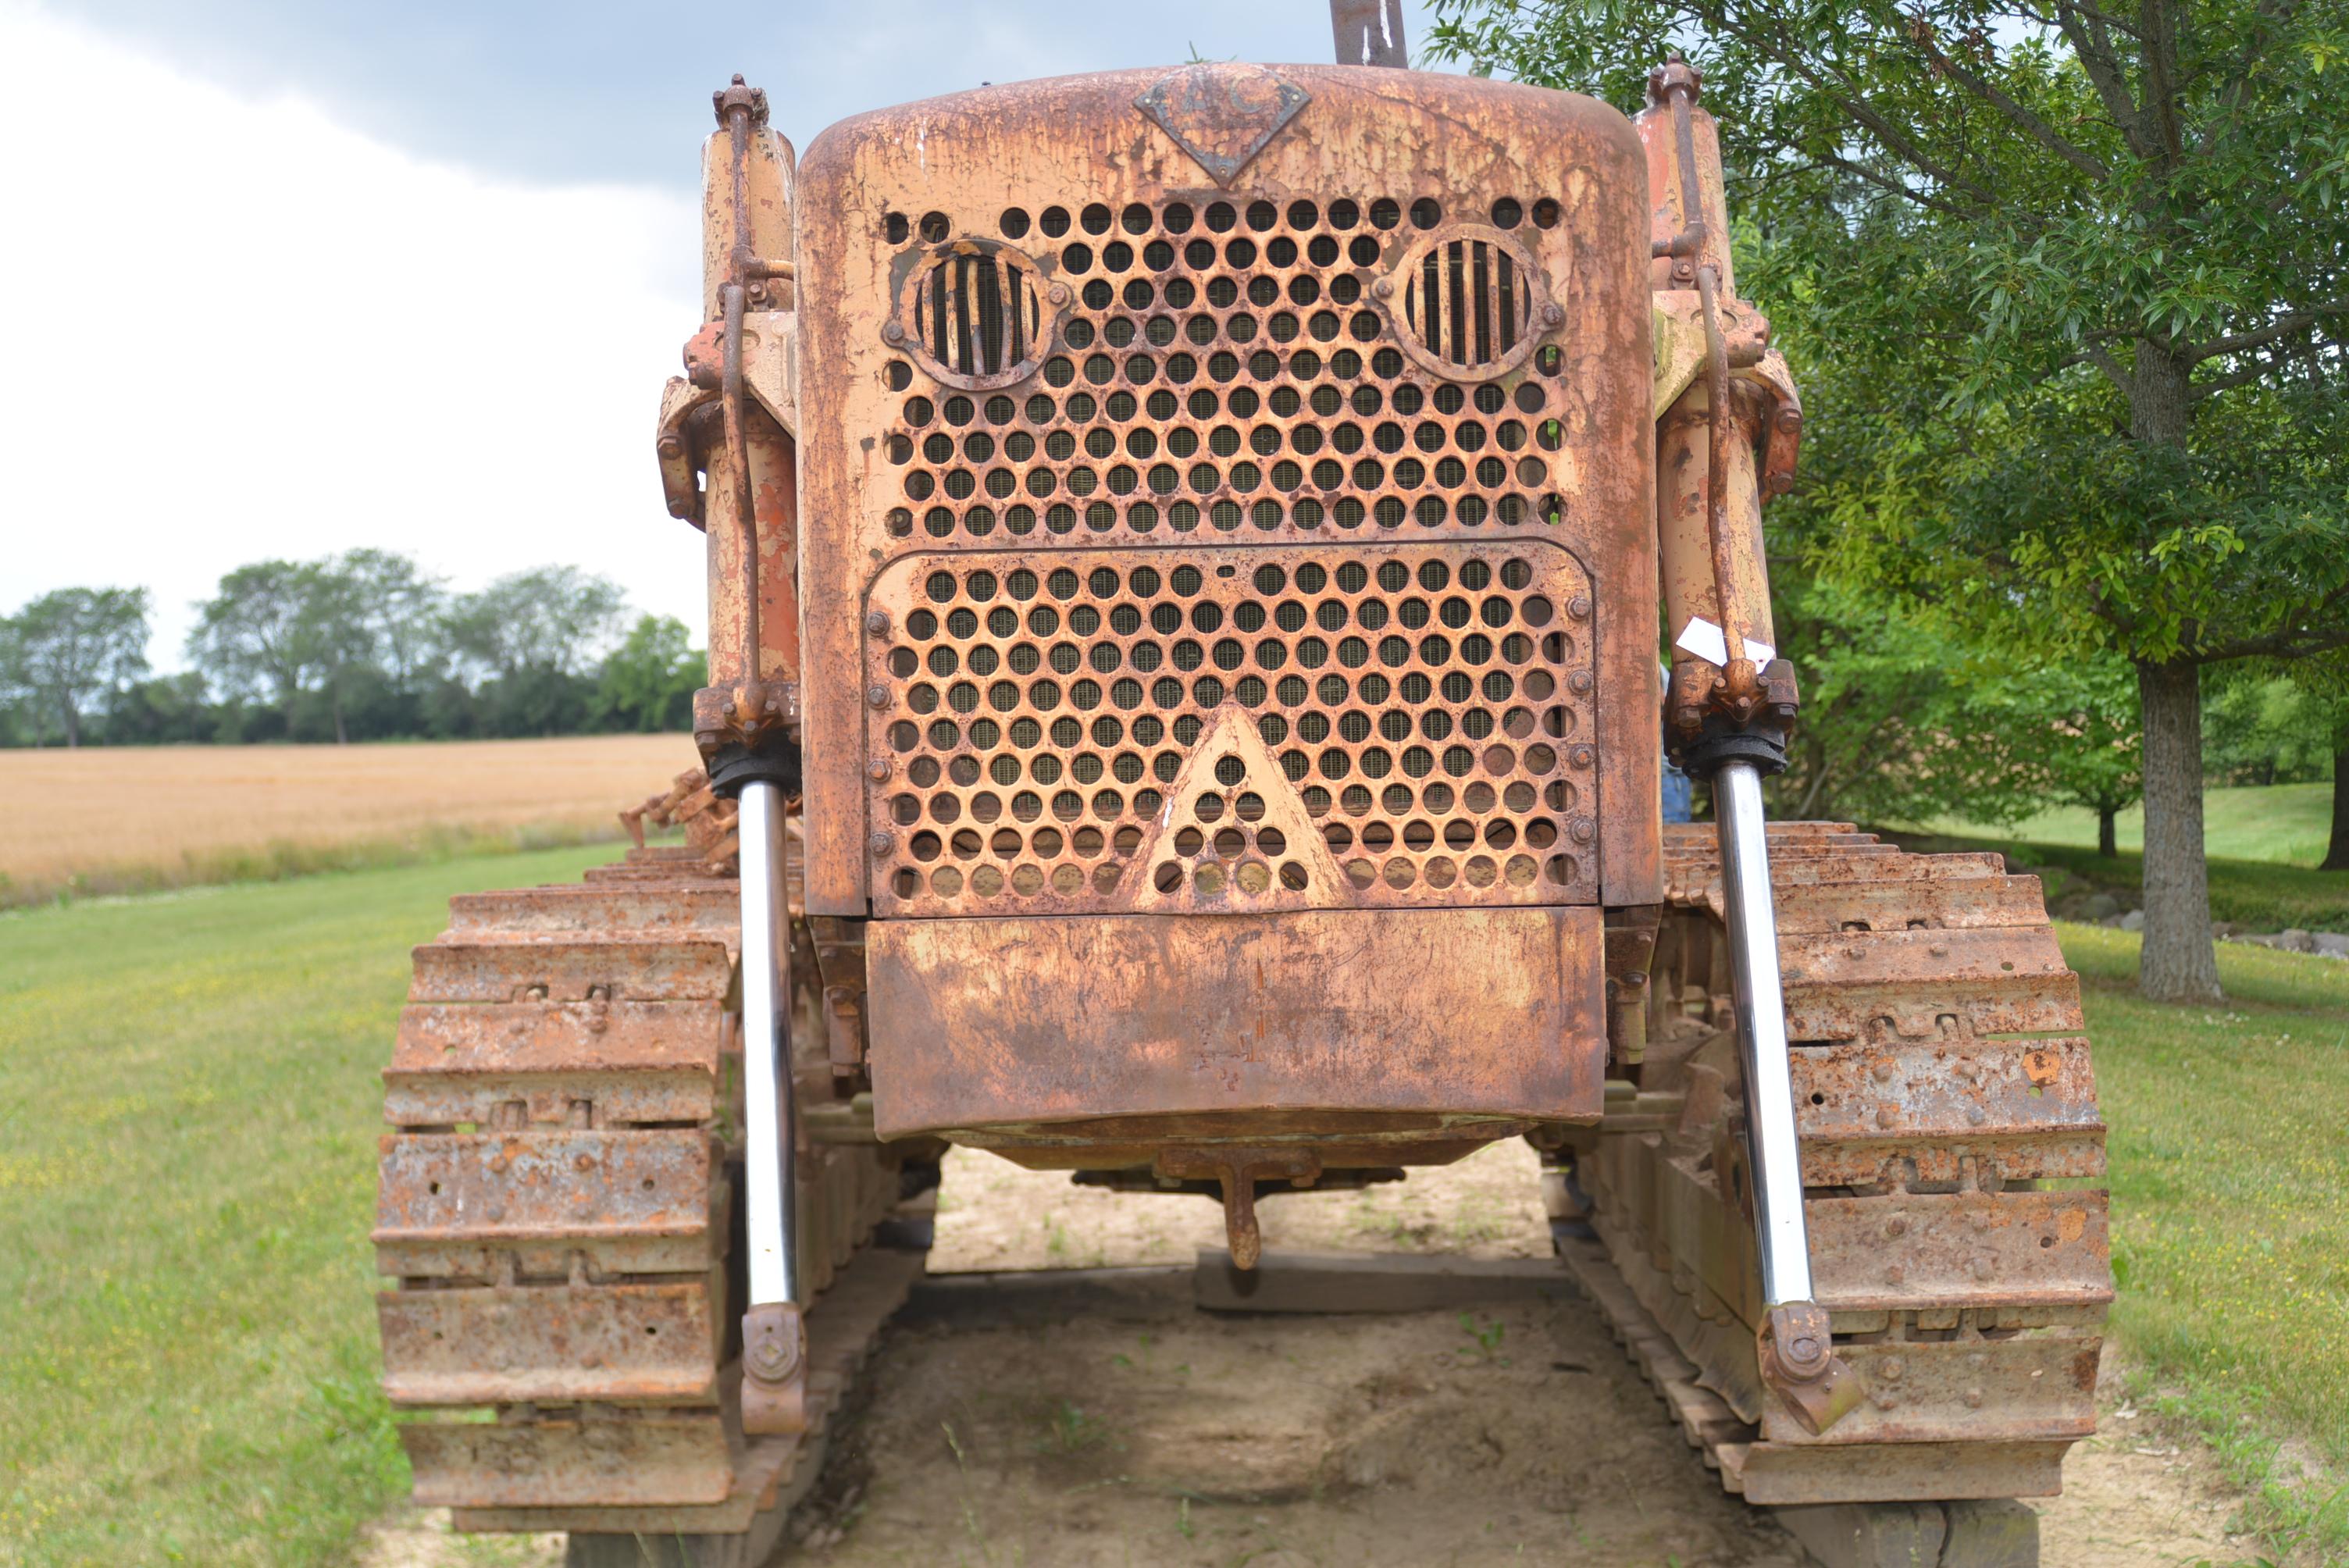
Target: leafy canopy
[
  {"x": 2064, "y": 286},
  {"x": 69, "y": 649}
]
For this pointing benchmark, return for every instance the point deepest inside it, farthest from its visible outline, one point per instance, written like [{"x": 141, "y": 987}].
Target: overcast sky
[{"x": 274, "y": 277}]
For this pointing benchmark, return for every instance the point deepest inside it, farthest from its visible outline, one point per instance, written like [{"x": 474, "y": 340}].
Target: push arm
[
  {"x": 1731, "y": 700},
  {"x": 733, "y": 417}
]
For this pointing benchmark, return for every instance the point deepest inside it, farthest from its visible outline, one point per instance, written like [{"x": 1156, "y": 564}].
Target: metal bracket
[
  {"x": 1798, "y": 1361},
  {"x": 681, "y": 399},
  {"x": 775, "y": 1370},
  {"x": 1238, "y": 1170}
]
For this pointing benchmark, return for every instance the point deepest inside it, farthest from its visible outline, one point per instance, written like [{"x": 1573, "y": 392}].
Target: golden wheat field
[{"x": 118, "y": 817}]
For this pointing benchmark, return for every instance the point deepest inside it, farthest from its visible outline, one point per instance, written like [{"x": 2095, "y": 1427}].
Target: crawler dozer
[{"x": 1188, "y": 553}]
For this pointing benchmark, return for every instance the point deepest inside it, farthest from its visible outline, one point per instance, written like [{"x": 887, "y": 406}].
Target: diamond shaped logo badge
[{"x": 1222, "y": 115}]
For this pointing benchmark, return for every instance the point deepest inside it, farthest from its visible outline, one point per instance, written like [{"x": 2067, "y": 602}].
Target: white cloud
[{"x": 231, "y": 329}]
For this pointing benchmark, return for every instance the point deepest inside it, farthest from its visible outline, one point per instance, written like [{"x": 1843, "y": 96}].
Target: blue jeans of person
[{"x": 1680, "y": 796}]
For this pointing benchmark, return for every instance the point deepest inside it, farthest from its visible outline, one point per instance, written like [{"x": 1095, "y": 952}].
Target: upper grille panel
[{"x": 1248, "y": 368}]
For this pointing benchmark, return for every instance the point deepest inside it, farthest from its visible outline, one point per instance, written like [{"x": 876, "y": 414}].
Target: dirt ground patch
[{"x": 1156, "y": 1435}]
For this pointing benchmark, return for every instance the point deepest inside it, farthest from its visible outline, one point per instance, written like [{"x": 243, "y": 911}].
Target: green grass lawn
[
  {"x": 2286, "y": 824},
  {"x": 189, "y": 1108},
  {"x": 188, "y": 1118},
  {"x": 2229, "y": 1155}
]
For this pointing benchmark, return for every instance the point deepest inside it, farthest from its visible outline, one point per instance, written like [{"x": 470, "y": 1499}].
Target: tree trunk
[
  {"x": 2107, "y": 836},
  {"x": 72, "y": 725},
  {"x": 1815, "y": 753},
  {"x": 2179, "y": 962},
  {"x": 342, "y": 736},
  {"x": 2336, "y": 857}
]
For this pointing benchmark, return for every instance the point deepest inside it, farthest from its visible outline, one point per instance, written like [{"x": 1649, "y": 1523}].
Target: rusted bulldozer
[{"x": 1184, "y": 549}]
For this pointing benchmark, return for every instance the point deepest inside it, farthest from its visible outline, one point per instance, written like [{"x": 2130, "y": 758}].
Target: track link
[
  {"x": 556, "y": 1206},
  {"x": 1948, "y": 1117}
]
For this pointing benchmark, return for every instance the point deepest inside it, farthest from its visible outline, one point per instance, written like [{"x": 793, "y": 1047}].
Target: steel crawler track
[
  {"x": 556, "y": 1206},
  {"x": 1948, "y": 1117}
]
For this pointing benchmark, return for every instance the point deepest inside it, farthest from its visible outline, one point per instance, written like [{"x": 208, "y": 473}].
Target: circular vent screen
[
  {"x": 1467, "y": 299},
  {"x": 976, "y": 313}
]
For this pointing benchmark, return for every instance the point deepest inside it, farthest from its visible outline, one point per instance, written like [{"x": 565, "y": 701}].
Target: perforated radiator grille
[
  {"x": 1263, "y": 727},
  {"x": 1237, "y": 368}
]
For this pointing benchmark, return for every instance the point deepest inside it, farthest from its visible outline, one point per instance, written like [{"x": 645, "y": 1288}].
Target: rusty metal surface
[
  {"x": 774, "y": 1386},
  {"x": 1962, "y": 1249},
  {"x": 1978, "y": 1390},
  {"x": 1228, "y": 729},
  {"x": 1235, "y": 1169},
  {"x": 1371, "y": 33},
  {"x": 632, "y": 1201},
  {"x": 1897, "y": 1111},
  {"x": 999, "y": 1022},
  {"x": 554, "y": 1462},
  {"x": 1222, "y": 116},
  {"x": 559, "y": 1344},
  {"x": 595, "y": 909},
  {"x": 558, "y": 1267},
  {"x": 2001, "y": 980},
  {"x": 842, "y": 1329},
  {"x": 627, "y": 1062},
  {"x": 561, "y": 966},
  {"x": 1228, "y": 339},
  {"x": 1953, "y": 1413},
  {"x": 1969, "y": 1305},
  {"x": 1815, "y": 908},
  {"x": 771, "y": 464},
  {"x": 1779, "y": 1473}
]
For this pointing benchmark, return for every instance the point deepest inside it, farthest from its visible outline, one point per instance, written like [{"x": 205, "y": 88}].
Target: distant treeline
[
  {"x": 1901, "y": 722},
  {"x": 363, "y": 646}
]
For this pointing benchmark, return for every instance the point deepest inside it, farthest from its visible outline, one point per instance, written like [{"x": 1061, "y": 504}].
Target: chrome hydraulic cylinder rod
[
  {"x": 771, "y": 1175},
  {"x": 1784, "y": 1243}
]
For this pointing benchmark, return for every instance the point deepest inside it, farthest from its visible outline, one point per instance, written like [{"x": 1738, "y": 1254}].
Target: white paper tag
[{"x": 1705, "y": 639}]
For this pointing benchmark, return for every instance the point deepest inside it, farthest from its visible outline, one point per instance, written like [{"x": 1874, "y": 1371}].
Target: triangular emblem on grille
[
  {"x": 1235, "y": 834},
  {"x": 1222, "y": 115}
]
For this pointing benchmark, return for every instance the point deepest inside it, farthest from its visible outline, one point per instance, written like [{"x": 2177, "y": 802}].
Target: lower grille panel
[{"x": 1246, "y": 728}]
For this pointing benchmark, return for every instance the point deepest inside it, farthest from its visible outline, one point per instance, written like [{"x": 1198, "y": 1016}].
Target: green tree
[
  {"x": 648, "y": 681},
  {"x": 1906, "y": 719},
  {"x": 337, "y": 629},
  {"x": 2261, "y": 726},
  {"x": 257, "y": 637},
  {"x": 2063, "y": 729},
  {"x": 533, "y": 637},
  {"x": 2326, "y": 683},
  {"x": 547, "y": 618},
  {"x": 404, "y": 610},
  {"x": 2068, "y": 283},
  {"x": 2272, "y": 725},
  {"x": 361, "y": 629},
  {"x": 163, "y": 710},
  {"x": 68, "y": 649},
  {"x": 376, "y": 620},
  {"x": 1876, "y": 704}
]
